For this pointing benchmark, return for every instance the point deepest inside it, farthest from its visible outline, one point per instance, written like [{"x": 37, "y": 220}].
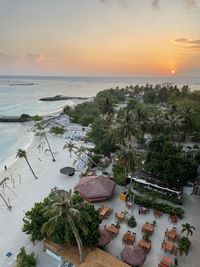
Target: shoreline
[{"x": 13, "y": 162}]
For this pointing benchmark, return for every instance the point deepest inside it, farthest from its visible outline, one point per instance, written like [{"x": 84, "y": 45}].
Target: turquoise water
[{"x": 18, "y": 99}]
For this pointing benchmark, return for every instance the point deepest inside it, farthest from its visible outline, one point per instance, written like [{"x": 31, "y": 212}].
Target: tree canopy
[{"x": 169, "y": 163}]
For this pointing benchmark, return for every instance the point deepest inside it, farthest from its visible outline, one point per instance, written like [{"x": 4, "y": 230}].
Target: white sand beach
[{"x": 31, "y": 190}]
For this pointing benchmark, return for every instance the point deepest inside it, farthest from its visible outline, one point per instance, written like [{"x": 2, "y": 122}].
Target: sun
[{"x": 173, "y": 72}]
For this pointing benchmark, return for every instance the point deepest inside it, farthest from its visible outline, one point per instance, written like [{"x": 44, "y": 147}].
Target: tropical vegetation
[
  {"x": 25, "y": 260},
  {"x": 65, "y": 218},
  {"x": 21, "y": 153}
]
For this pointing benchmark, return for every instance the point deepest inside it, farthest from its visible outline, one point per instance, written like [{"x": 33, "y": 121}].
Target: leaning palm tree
[
  {"x": 43, "y": 135},
  {"x": 22, "y": 154},
  {"x": 40, "y": 129},
  {"x": 5, "y": 201},
  {"x": 73, "y": 148},
  {"x": 65, "y": 209},
  {"x": 188, "y": 228},
  {"x": 84, "y": 150}
]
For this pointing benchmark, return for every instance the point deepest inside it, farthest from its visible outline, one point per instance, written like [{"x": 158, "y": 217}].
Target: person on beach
[{"x": 5, "y": 167}]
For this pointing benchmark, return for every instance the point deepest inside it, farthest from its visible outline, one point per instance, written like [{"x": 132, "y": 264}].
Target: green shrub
[
  {"x": 184, "y": 245},
  {"x": 132, "y": 222},
  {"x": 25, "y": 116},
  {"x": 151, "y": 193},
  {"x": 25, "y": 260},
  {"x": 119, "y": 174},
  {"x": 36, "y": 118},
  {"x": 149, "y": 203},
  {"x": 57, "y": 130}
]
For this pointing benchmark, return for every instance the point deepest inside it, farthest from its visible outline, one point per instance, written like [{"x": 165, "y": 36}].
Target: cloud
[
  {"x": 123, "y": 3},
  {"x": 192, "y": 47},
  {"x": 155, "y": 3},
  {"x": 10, "y": 62},
  {"x": 33, "y": 57},
  {"x": 187, "y": 41},
  {"x": 190, "y": 44}
]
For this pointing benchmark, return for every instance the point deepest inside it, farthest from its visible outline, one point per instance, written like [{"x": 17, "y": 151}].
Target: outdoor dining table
[
  {"x": 129, "y": 238},
  {"x": 112, "y": 229},
  {"x": 144, "y": 244},
  {"x": 171, "y": 235},
  {"x": 148, "y": 228},
  {"x": 104, "y": 211},
  {"x": 121, "y": 215},
  {"x": 169, "y": 246}
]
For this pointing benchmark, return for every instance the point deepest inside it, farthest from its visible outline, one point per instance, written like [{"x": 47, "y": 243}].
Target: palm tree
[
  {"x": 107, "y": 106},
  {"x": 184, "y": 245},
  {"x": 22, "y": 154},
  {"x": 43, "y": 134},
  {"x": 155, "y": 123},
  {"x": 4, "y": 200},
  {"x": 189, "y": 120},
  {"x": 64, "y": 208},
  {"x": 127, "y": 156},
  {"x": 73, "y": 148},
  {"x": 188, "y": 228},
  {"x": 84, "y": 150},
  {"x": 125, "y": 127},
  {"x": 2, "y": 183},
  {"x": 173, "y": 124},
  {"x": 41, "y": 131}
]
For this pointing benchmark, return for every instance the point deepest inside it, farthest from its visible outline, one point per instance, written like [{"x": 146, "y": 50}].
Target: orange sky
[{"x": 134, "y": 37}]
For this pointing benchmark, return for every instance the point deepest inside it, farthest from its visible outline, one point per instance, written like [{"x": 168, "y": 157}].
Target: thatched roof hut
[
  {"x": 95, "y": 188},
  {"x": 133, "y": 255},
  {"x": 93, "y": 258},
  {"x": 104, "y": 239}
]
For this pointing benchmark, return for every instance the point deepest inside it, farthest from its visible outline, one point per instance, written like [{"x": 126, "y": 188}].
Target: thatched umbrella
[
  {"x": 95, "y": 188},
  {"x": 104, "y": 239},
  {"x": 133, "y": 255},
  {"x": 67, "y": 170}
]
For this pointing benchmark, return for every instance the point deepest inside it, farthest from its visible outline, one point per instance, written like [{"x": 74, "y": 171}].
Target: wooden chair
[{"x": 163, "y": 244}]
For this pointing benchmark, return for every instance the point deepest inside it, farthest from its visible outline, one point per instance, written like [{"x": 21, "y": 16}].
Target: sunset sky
[{"x": 100, "y": 37}]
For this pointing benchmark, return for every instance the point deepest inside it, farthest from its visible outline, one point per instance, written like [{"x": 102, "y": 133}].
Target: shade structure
[
  {"x": 67, "y": 170},
  {"x": 104, "y": 239},
  {"x": 133, "y": 255},
  {"x": 95, "y": 188}
]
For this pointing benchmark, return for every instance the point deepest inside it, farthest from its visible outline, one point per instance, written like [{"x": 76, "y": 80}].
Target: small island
[{"x": 61, "y": 97}]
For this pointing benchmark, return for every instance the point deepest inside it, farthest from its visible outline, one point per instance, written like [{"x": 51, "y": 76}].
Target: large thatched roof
[
  {"x": 95, "y": 188},
  {"x": 133, "y": 255},
  {"x": 93, "y": 258}
]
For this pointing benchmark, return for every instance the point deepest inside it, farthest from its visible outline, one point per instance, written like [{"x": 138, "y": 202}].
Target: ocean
[{"x": 21, "y": 94}]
